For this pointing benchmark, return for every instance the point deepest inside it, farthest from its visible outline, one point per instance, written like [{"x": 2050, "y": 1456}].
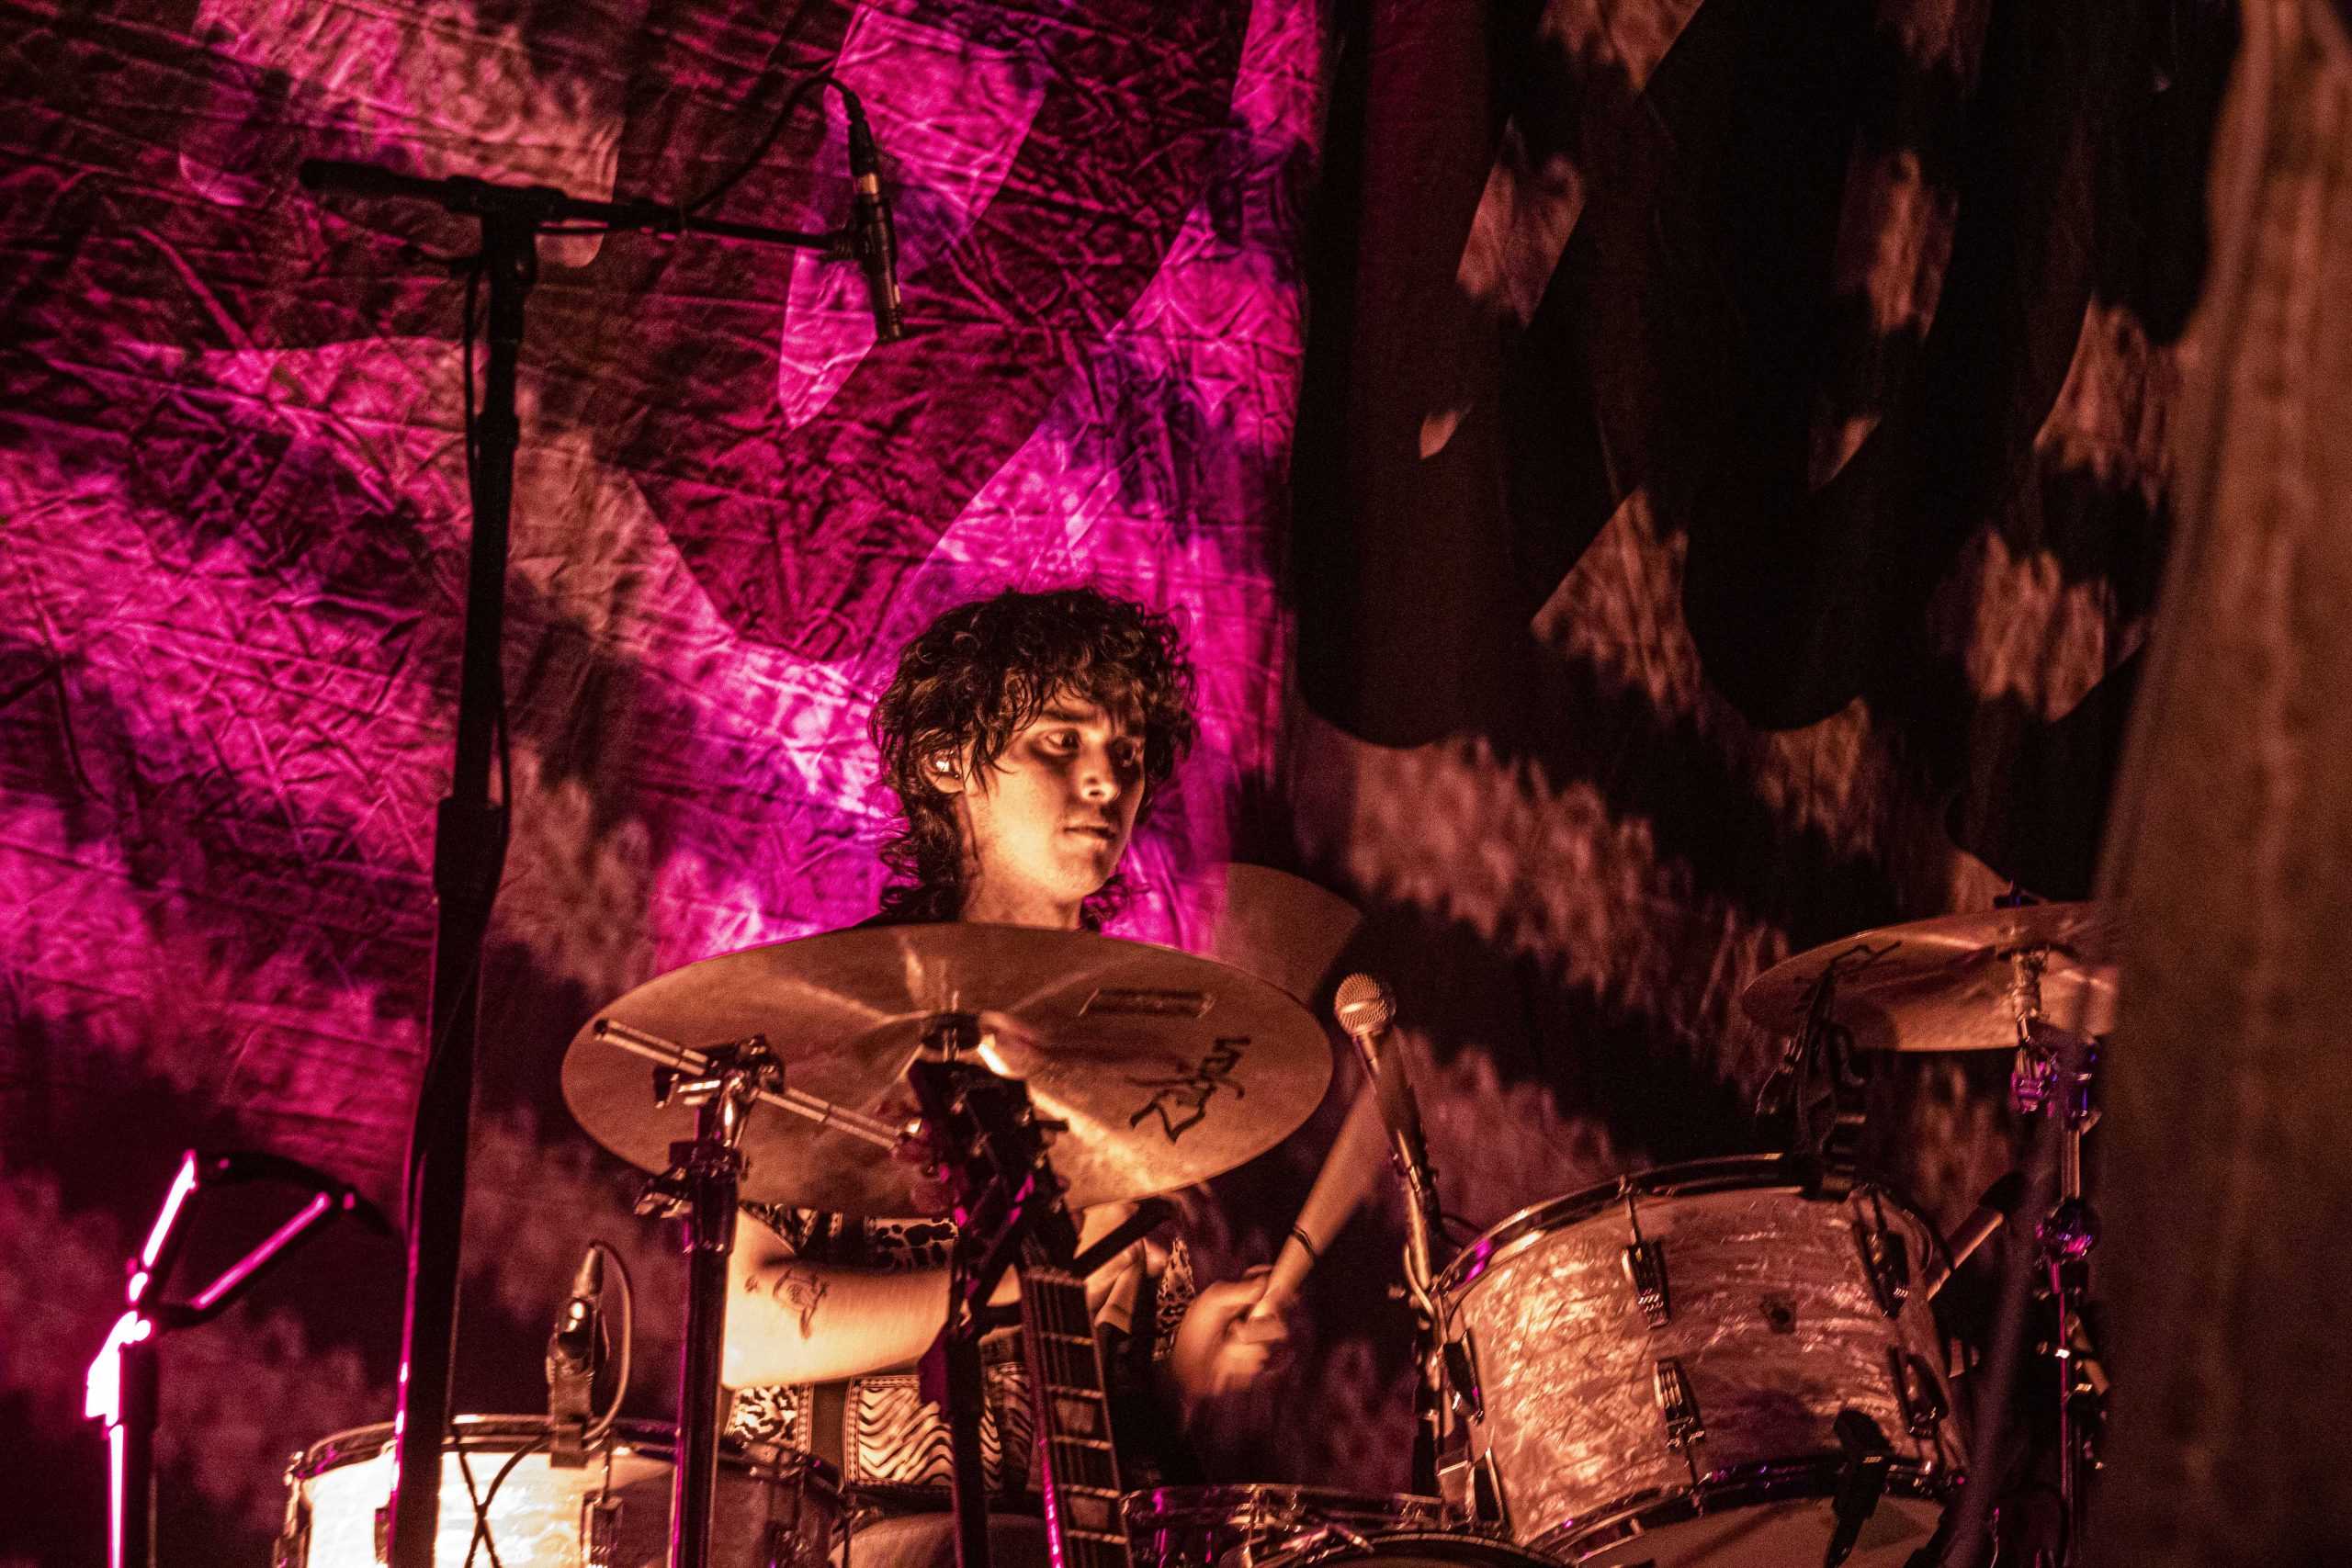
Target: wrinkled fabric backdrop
[{"x": 1710, "y": 506}]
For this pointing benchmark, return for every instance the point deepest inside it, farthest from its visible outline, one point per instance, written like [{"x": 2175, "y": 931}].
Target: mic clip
[{"x": 572, "y": 1368}]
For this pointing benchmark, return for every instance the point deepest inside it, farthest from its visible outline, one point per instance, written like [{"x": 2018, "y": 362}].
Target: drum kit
[{"x": 1732, "y": 1361}]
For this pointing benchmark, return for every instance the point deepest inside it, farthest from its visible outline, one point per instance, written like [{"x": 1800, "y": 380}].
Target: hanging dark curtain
[{"x": 1731, "y": 489}]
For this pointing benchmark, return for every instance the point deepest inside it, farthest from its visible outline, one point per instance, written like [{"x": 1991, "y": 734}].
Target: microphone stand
[
  {"x": 470, "y": 827},
  {"x": 1409, "y": 1159},
  {"x": 122, "y": 1388}
]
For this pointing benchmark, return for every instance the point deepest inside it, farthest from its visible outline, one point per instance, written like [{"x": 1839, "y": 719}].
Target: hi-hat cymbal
[
  {"x": 1943, "y": 984},
  {"x": 1169, "y": 1067}
]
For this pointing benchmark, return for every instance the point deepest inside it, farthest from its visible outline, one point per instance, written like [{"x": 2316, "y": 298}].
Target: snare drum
[
  {"x": 1659, "y": 1365},
  {"x": 1291, "y": 1526},
  {"x": 612, "y": 1513}
]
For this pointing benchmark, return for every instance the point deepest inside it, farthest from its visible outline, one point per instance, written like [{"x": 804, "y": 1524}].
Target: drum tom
[
  {"x": 498, "y": 1490},
  {"x": 1661, "y": 1365}
]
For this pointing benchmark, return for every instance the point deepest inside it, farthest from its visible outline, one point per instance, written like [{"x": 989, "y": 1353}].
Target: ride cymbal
[{"x": 1944, "y": 983}]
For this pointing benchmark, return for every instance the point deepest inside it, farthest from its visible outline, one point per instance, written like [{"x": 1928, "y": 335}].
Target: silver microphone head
[{"x": 1363, "y": 1004}]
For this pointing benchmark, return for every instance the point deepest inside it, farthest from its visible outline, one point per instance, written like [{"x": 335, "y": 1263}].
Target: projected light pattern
[{"x": 232, "y": 516}]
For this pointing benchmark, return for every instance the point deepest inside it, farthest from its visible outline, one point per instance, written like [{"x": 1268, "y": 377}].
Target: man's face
[{"x": 1048, "y": 822}]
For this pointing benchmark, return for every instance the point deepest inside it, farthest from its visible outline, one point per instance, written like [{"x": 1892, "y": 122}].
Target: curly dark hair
[{"x": 980, "y": 672}]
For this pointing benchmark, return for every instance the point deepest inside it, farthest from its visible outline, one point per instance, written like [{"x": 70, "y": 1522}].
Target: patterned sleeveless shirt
[{"x": 885, "y": 1436}]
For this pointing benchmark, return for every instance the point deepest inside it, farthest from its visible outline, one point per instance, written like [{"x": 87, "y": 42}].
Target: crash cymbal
[
  {"x": 1280, "y": 928},
  {"x": 1943, "y": 984},
  {"x": 1168, "y": 1069}
]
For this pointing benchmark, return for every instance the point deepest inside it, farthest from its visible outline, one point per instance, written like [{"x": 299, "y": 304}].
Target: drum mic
[
  {"x": 575, "y": 1352},
  {"x": 873, "y": 240},
  {"x": 1992, "y": 1212},
  {"x": 1365, "y": 1010}
]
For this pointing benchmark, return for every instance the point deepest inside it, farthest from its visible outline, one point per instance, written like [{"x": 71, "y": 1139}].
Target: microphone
[
  {"x": 1992, "y": 1212},
  {"x": 872, "y": 239},
  {"x": 575, "y": 1352},
  {"x": 1365, "y": 1010}
]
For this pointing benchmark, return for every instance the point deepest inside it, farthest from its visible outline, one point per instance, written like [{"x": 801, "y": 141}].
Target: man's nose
[{"x": 1098, "y": 776}]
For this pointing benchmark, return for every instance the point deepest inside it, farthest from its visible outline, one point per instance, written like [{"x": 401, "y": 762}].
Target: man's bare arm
[{"x": 791, "y": 1321}]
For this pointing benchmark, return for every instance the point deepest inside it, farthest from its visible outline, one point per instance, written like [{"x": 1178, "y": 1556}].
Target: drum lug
[
  {"x": 1677, "y": 1404},
  {"x": 1487, "y": 1501},
  {"x": 600, "y": 1532},
  {"x": 1644, "y": 1262},
  {"x": 1886, "y": 1258},
  {"x": 384, "y": 1535},
  {"x": 293, "y": 1543},
  {"x": 1915, "y": 1393},
  {"x": 1462, "y": 1376},
  {"x": 1645, "y": 1271}
]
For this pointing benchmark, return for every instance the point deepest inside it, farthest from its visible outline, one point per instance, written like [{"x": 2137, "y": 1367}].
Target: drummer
[{"x": 1023, "y": 736}]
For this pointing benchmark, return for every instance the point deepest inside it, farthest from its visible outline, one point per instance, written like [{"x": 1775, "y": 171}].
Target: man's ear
[{"x": 942, "y": 774}]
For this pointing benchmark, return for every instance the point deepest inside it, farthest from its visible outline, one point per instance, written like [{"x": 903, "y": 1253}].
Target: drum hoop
[
  {"x": 1501, "y": 1547},
  {"x": 1728, "y": 1489},
  {"x": 1499, "y": 1242},
  {"x": 479, "y": 1434},
  {"x": 1220, "y": 1500}
]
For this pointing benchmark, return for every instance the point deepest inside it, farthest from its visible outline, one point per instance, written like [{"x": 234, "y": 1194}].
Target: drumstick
[{"x": 1349, "y": 1174}]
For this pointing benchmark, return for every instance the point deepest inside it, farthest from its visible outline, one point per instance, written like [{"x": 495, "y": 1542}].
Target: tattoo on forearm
[{"x": 800, "y": 1291}]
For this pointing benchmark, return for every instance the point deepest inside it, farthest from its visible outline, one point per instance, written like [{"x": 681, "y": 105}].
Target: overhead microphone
[
  {"x": 1992, "y": 1212},
  {"x": 575, "y": 1354},
  {"x": 873, "y": 240}
]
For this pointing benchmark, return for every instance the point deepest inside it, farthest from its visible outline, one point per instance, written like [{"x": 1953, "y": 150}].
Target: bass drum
[
  {"x": 1668, "y": 1371},
  {"x": 502, "y": 1501},
  {"x": 1291, "y": 1526}
]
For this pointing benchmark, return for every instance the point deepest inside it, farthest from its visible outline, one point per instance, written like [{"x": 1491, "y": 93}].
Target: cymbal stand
[
  {"x": 2053, "y": 1075},
  {"x": 702, "y": 1186}
]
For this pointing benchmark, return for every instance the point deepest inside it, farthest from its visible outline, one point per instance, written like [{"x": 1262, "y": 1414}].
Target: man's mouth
[{"x": 1094, "y": 829}]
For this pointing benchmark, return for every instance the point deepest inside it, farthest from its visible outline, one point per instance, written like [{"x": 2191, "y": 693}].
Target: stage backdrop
[{"x": 1729, "y": 463}]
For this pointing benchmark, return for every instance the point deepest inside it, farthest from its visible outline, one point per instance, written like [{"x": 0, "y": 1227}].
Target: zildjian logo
[{"x": 1182, "y": 1099}]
